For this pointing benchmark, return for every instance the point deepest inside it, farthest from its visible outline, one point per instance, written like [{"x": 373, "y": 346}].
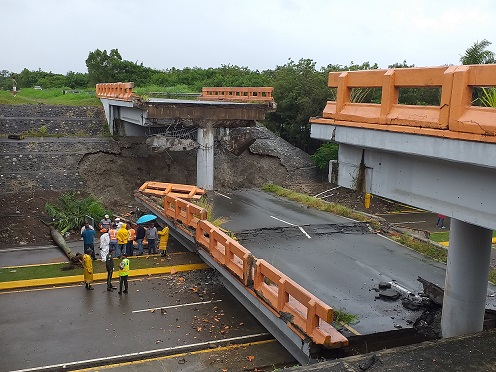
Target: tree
[
  {"x": 103, "y": 67},
  {"x": 478, "y": 55},
  {"x": 300, "y": 92}
]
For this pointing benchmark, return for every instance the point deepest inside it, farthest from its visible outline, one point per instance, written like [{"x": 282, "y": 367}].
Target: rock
[{"x": 389, "y": 294}]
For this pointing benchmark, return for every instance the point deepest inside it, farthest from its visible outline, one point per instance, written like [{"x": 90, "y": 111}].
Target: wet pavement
[
  {"x": 158, "y": 316},
  {"x": 336, "y": 259}
]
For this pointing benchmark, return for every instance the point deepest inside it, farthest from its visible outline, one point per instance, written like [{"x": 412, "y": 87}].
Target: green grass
[
  {"x": 55, "y": 270},
  {"x": 439, "y": 236},
  {"x": 427, "y": 249},
  {"x": 55, "y": 96}
]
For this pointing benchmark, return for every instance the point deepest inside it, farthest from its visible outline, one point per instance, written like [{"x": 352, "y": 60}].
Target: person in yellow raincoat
[
  {"x": 164, "y": 238},
  {"x": 88, "y": 269}
]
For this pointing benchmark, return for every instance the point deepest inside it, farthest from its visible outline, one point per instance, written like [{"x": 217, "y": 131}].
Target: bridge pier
[
  {"x": 467, "y": 270},
  {"x": 205, "y": 158}
]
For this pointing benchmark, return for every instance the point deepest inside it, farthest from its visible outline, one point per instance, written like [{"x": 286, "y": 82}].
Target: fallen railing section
[
  {"x": 455, "y": 117},
  {"x": 306, "y": 315}
]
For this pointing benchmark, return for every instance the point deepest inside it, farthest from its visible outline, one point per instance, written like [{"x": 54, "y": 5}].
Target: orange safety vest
[
  {"x": 132, "y": 234},
  {"x": 113, "y": 234}
]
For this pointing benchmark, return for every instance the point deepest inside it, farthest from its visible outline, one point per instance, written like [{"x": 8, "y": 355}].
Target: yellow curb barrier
[{"x": 98, "y": 276}]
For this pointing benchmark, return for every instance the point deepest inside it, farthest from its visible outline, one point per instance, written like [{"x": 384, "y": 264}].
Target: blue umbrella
[{"x": 146, "y": 218}]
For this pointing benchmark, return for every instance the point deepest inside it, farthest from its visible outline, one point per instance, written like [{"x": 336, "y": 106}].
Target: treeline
[{"x": 300, "y": 89}]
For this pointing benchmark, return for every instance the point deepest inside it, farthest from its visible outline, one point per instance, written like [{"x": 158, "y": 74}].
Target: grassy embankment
[
  {"x": 56, "y": 96},
  {"x": 427, "y": 249}
]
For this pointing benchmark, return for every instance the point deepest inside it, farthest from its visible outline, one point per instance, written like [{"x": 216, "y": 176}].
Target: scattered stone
[
  {"x": 389, "y": 294},
  {"x": 384, "y": 285}
]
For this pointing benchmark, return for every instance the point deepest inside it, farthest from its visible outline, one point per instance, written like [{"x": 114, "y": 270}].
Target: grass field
[{"x": 56, "y": 96}]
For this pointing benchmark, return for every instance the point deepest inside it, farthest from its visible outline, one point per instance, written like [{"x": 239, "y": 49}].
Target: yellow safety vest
[{"x": 124, "y": 271}]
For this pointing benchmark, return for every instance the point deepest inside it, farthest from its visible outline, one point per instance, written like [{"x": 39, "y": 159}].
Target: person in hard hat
[
  {"x": 164, "y": 238},
  {"x": 152, "y": 236},
  {"x": 123, "y": 273},
  {"x": 118, "y": 222},
  {"x": 88, "y": 269},
  {"x": 130, "y": 242},
  {"x": 122, "y": 239},
  {"x": 105, "y": 223},
  {"x": 104, "y": 244}
]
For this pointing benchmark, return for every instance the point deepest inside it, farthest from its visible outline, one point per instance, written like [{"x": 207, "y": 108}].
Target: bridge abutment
[{"x": 467, "y": 270}]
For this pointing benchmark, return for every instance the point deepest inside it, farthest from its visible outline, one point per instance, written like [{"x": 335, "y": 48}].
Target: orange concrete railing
[
  {"x": 455, "y": 117},
  {"x": 308, "y": 313},
  {"x": 177, "y": 190},
  {"x": 241, "y": 94},
  {"x": 310, "y": 316},
  {"x": 120, "y": 91},
  {"x": 225, "y": 250}
]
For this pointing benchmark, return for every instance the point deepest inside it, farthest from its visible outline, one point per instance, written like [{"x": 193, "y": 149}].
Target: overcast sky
[{"x": 58, "y": 35}]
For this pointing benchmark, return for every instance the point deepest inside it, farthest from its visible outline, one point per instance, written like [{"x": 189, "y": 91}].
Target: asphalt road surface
[
  {"x": 336, "y": 259},
  {"x": 43, "y": 327}
]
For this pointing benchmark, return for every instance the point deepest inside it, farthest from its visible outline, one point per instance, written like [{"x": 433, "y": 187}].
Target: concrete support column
[
  {"x": 205, "y": 158},
  {"x": 465, "y": 289}
]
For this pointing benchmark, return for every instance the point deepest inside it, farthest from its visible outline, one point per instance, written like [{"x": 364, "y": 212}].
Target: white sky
[{"x": 57, "y": 35}]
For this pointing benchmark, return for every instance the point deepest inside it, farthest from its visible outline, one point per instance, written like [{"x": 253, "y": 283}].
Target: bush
[{"x": 324, "y": 154}]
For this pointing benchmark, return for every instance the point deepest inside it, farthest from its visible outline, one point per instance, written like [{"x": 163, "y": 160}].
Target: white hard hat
[
  {"x": 117, "y": 219},
  {"x": 106, "y": 216}
]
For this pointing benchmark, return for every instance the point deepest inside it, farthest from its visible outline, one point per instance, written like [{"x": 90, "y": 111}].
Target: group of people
[
  {"x": 117, "y": 241},
  {"x": 109, "y": 264}
]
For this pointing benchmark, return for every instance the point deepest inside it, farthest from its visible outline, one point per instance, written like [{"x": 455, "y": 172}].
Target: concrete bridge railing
[
  {"x": 454, "y": 118},
  {"x": 310, "y": 317}
]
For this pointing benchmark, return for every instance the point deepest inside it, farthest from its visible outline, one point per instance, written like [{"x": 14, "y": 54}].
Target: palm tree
[{"x": 478, "y": 55}]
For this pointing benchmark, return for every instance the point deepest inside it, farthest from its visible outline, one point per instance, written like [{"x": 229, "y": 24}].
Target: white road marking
[
  {"x": 176, "y": 306},
  {"x": 225, "y": 196},
  {"x": 292, "y": 224},
  {"x": 140, "y": 354},
  {"x": 286, "y": 222},
  {"x": 304, "y": 232}
]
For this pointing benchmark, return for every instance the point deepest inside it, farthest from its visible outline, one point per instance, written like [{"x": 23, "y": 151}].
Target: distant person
[
  {"x": 113, "y": 239},
  {"x": 105, "y": 223},
  {"x": 122, "y": 239},
  {"x": 130, "y": 242},
  {"x": 104, "y": 245},
  {"x": 140, "y": 235},
  {"x": 152, "y": 236},
  {"x": 118, "y": 223},
  {"x": 109, "y": 265},
  {"x": 88, "y": 269},
  {"x": 164, "y": 238},
  {"x": 84, "y": 227},
  {"x": 123, "y": 273},
  {"x": 88, "y": 236},
  {"x": 440, "y": 221}
]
